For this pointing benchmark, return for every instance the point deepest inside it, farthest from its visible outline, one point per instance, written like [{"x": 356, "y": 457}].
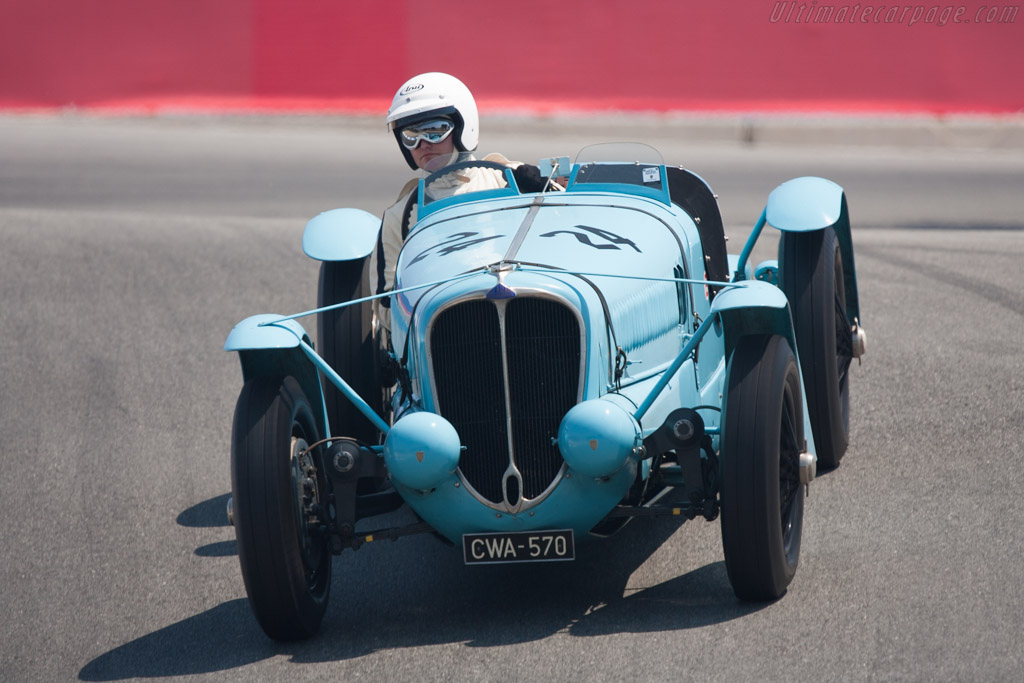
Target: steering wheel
[{"x": 472, "y": 164}]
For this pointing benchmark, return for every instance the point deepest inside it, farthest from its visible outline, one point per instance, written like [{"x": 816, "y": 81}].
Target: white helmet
[{"x": 435, "y": 94}]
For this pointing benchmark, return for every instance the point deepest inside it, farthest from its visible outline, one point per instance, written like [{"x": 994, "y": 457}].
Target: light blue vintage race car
[{"x": 560, "y": 362}]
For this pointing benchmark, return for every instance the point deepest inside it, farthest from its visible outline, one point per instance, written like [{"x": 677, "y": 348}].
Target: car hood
[
  {"x": 613, "y": 259},
  {"x": 587, "y": 235}
]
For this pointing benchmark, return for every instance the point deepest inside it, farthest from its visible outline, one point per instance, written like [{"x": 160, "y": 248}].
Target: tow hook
[{"x": 231, "y": 510}]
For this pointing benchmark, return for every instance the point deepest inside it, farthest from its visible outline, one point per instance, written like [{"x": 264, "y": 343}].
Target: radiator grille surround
[{"x": 504, "y": 373}]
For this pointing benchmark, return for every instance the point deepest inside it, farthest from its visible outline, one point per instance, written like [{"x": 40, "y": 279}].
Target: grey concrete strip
[
  {"x": 984, "y": 132},
  {"x": 997, "y": 132}
]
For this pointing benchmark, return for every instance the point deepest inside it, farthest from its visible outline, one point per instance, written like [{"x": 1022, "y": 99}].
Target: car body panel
[
  {"x": 268, "y": 345},
  {"x": 810, "y": 203},
  {"x": 340, "y": 235},
  {"x": 804, "y": 204},
  {"x": 576, "y": 503},
  {"x": 264, "y": 331}
]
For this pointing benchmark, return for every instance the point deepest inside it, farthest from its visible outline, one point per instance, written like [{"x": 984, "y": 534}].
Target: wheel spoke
[
  {"x": 844, "y": 342},
  {"x": 789, "y": 465}
]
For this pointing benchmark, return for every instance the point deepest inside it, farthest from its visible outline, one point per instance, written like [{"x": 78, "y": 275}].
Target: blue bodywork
[
  {"x": 626, "y": 261},
  {"x": 340, "y": 235}
]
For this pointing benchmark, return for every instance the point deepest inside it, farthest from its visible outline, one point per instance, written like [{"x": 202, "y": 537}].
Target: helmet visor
[{"x": 433, "y": 131}]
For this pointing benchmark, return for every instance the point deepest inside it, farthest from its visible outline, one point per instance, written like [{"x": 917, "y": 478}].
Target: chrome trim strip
[
  {"x": 501, "y": 305},
  {"x": 524, "y": 228},
  {"x": 512, "y": 473}
]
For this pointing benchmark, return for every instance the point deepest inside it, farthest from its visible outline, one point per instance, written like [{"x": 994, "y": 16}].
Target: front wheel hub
[
  {"x": 859, "y": 339},
  {"x": 808, "y": 468},
  {"x": 306, "y": 491}
]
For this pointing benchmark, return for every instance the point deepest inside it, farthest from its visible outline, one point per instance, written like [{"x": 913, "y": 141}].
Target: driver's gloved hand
[
  {"x": 529, "y": 179},
  {"x": 388, "y": 369}
]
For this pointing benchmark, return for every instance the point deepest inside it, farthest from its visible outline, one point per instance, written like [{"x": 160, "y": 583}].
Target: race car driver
[{"x": 435, "y": 122}]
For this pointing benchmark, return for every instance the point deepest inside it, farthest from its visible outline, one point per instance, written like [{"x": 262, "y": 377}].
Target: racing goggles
[{"x": 433, "y": 131}]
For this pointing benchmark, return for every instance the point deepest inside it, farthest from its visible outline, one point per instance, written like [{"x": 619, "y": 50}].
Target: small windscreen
[{"x": 620, "y": 152}]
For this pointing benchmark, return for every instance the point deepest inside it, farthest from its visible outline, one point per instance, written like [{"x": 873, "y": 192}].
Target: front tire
[
  {"x": 279, "y": 491},
  {"x": 762, "y": 501},
  {"x": 347, "y": 344},
  {"x": 811, "y": 274}
]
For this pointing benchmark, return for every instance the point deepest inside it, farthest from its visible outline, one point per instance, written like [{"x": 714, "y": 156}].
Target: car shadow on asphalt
[
  {"x": 208, "y": 514},
  {"x": 416, "y": 592},
  {"x": 219, "y": 639}
]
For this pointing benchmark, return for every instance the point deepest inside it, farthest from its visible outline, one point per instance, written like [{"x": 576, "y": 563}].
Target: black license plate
[{"x": 520, "y": 546}]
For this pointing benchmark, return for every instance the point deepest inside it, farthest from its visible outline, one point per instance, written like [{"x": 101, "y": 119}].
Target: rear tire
[
  {"x": 347, "y": 343},
  {"x": 285, "y": 561},
  {"x": 811, "y": 274},
  {"x": 762, "y": 501}
]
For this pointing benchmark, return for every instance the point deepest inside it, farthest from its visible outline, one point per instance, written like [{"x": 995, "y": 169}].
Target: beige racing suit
[{"x": 389, "y": 242}]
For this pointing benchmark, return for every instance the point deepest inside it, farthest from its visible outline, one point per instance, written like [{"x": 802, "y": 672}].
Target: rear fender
[
  {"x": 274, "y": 350},
  {"x": 341, "y": 235},
  {"x": 758, "y": 308},
  {"x": 810, "y": 203}
]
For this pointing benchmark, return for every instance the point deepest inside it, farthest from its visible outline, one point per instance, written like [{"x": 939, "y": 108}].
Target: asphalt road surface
[{"x": 128, "y": 250}]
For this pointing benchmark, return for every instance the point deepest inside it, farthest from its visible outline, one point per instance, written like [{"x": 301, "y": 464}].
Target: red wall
[{"x": 540, "y": 55}]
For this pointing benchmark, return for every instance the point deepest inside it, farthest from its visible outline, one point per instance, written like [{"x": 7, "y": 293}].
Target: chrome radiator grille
[{"x": 501, "y": 365}]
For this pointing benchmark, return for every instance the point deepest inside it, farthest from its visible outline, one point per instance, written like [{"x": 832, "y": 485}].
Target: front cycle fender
[
  {"x": 341, "y": 235},
  {"x": 810, "y": 203},
  {"x": 757, "y": 308},
  {"x": 274, "y": 350},
  {"x": 753, "y": 308}
]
